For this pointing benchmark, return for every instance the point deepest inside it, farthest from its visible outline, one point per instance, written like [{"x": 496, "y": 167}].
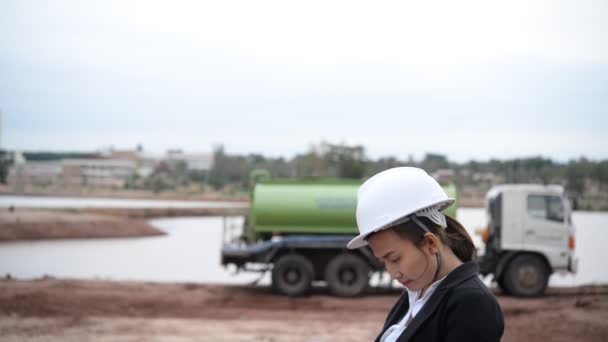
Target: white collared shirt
[{"x": 394, "y": 331}]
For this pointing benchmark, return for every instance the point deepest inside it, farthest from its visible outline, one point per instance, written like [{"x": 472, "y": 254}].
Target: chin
[
  {"x": 410, "y": 285},
  {"x": 413, "y": 286}
]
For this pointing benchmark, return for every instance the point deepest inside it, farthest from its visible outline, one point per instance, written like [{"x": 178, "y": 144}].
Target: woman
[{"x": 399, "y": 217}]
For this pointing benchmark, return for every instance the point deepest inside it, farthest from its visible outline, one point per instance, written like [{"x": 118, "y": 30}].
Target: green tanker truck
[{"x": 299, "y": 230}]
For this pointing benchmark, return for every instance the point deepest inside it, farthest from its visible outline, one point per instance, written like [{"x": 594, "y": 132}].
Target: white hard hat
[{"x": 391, "y": 196}]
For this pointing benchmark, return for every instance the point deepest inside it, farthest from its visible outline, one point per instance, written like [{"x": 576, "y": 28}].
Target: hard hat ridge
[{"x": 433, "y": 214}]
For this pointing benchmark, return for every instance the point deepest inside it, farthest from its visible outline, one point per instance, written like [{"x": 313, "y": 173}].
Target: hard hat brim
[{"x": 360, "y": 240}]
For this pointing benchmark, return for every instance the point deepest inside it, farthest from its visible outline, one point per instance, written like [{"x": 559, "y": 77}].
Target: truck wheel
[
  {"x": 526, "y": 276},
  {"x": 501, "y": 284},
  {"x": 347, "y": 275},
  {"x": 292, "y": 274}
]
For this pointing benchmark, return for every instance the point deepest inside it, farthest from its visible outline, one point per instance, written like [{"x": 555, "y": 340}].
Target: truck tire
[
  {"x": 292, "y": 275},
  {"x": 501, "y": 285},
  {"x": 347, "y": 275},
  {"x": 526, "y": 275}
]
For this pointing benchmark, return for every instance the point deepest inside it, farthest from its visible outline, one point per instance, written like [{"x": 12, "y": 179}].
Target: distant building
[
  {"x": 144, "y": 164},
  {"x": 39, "y": 173},
  {"x": 110, "y": 169},
  {"x": 487, "y": 177},
  {"x": 194, "y": 161},
  {"x": 97, "y": 172},
  {"x": 125, "y": 155},
  {"x": 146, "y": 167},
  {"x": 133, "y": 155},
  {"x": 444, "y": 175}
]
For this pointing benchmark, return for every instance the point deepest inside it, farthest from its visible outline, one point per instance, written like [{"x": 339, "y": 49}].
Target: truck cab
[{"x": 529, "y": 236}]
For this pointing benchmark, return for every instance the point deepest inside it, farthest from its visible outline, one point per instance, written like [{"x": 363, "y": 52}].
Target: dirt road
[{"x": 72, "y": 310}]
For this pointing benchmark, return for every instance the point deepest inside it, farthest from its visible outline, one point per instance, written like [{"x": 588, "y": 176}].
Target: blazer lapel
[
  {"x": 457, "y": 276},
  {"x": 424, "y": 314}
]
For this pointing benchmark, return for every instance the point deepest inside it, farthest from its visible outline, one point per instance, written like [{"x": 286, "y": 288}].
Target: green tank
[{"x": 308, "y": 208}]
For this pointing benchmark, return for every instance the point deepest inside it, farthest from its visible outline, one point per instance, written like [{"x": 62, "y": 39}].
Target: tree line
[
  {"x": 326, "y": 160},
  {"x": 582, "y": 177}
]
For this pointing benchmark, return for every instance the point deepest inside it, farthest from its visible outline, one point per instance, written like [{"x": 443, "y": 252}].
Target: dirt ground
[
  {"x": 78, "y": 310},
  {"x": 31, "y": 224}
]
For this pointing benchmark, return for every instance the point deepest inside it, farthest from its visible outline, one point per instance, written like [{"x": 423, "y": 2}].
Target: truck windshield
[{"x": 546, "y": 207}]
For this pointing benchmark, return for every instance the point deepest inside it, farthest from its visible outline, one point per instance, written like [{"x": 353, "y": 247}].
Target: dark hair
[{"x": 454, "y": 236}]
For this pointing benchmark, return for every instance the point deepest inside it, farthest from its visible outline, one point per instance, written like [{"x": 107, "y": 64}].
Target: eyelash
[{"x": 391, "y": 261}]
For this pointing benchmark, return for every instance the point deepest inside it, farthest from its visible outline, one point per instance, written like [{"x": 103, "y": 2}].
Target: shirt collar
[{"x": 413, "y": 295}]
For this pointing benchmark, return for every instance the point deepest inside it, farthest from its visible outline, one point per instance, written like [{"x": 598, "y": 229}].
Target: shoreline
[
  {"x": 463, "y": 202},
  {"x": 32, "y": 225},
  {"x": 126, "y": 195}
]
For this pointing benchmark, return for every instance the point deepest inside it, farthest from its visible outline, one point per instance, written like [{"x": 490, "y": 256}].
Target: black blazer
[{"x": 461, "y": 309}]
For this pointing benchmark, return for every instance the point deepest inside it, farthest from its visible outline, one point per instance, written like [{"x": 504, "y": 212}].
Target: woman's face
[{"x": 412, "y": 266}]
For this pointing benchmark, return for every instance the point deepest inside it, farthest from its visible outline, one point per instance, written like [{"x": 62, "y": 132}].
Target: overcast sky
[{"x": 469, "y": 79}]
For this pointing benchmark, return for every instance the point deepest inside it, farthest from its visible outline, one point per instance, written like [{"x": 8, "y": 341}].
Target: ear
[{"x": 431, "y": 243}]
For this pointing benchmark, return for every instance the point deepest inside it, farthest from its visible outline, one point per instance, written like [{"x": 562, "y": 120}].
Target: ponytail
[{"x": 459, "y": 240}]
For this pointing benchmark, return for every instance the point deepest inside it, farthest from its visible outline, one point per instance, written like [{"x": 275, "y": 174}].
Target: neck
[{"x": 448, "y": 263}]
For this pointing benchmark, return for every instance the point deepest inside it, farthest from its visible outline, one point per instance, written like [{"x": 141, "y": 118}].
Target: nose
[{"x": 393, "y": 271}]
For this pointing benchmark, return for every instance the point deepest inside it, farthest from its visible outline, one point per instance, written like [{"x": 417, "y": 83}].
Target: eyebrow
[{"x": 387, "y": 254}]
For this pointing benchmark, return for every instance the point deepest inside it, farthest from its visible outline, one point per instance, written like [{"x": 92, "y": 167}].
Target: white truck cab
[{"x": 529, "y": 236}]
